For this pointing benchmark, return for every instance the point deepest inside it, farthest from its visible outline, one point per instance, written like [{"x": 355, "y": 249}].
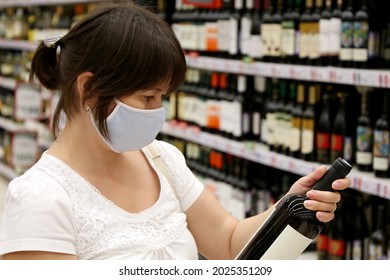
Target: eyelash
[{"x": 148, "y": 97}]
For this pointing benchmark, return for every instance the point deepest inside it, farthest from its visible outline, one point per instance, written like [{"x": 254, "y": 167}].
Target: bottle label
[
  {"x": 325, "y": 31},
  {"x": 337, "y": 143},
  {"x": 360, "y": 41},
  {"x": 375, "y": 252},
  {"x": 288, "y": 38},
  {"x": 256, "y": 122},
  {"x": 381, "y": 150},
  {"x": 304, "y": 40},
  {"x": 266, "y": 30},
  {"x": 276, "y": 37},
  {"x": 223, "y": 35},
  {"x": 295, "y": 139},
  {"x": 307, "y": 141},
  {"x": 322, "y": 242},
  {"x": 335, "y": 36},
  {"x": 213, "y": 114},
  {"x": 284, "y": 249},
  {"x": 346, "y": 41},
  {"x": 314, "y": 41},
  {"x": 336, "y": 248},
  {"x": 271, "y": 124},
  {"x": 323, "y": 141}
]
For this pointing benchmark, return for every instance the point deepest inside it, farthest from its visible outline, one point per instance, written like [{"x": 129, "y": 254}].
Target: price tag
[
  {"x": 303, "y": 72},
  {"x": 28, "y": 102},
  {"x": 384, "y": 79},
  {"x": 24, "y": 149},
  {"x": 367, "y": 78},
  {"x": 345, "y": 76},
  {"x": 369, "y": 186},
  {"x": 263, "y": 69}
]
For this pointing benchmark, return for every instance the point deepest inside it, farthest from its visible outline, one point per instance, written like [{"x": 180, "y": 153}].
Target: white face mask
[{"x": 129, "y": 128}]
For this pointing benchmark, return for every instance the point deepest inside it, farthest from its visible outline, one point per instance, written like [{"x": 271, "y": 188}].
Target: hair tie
[{"x": 52, "y": 41}]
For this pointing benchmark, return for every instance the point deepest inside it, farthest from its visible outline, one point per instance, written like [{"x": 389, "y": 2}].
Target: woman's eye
[{"x": 148, "y": 97}]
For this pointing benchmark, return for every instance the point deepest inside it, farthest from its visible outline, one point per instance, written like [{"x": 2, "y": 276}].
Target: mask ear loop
[{"x": 94, "y": 124}]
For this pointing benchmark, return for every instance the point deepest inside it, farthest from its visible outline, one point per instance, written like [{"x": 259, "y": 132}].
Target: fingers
[
  {"x": 325, "y": 216},
  {"x": 341, "y": 184}
]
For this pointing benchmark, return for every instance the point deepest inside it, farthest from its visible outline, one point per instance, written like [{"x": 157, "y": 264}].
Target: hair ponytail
[{"x": 44, "y": 66}]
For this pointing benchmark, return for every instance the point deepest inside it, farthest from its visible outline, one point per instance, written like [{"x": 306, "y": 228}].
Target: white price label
[
  {"x": 367, "y": 78},
  {"x": 27, "y": 102},
  {"x": 24, "y": 149}
]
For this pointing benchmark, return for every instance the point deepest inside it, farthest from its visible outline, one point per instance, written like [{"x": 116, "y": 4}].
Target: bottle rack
[
  {"x": 24, "y": 3},
  {"x": 328, "y": 74},
  {"x": 361, "y": 181},
  {"x": 256, "y": 152}
]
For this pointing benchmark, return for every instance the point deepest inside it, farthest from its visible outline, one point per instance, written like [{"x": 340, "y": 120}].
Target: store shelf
[
  {"x": 25, "y": 3},
  {"x": 348, "y": 76},
  {"x": 7, "y": 172},
  {"x": 17, "y": 45},
  {"x": 364, "y": 182}
]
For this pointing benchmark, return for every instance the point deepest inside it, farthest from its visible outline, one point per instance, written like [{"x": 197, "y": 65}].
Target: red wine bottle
[{"x": 290, "y": 228}]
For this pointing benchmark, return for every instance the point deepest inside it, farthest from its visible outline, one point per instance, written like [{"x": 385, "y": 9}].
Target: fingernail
[{"x": 308, "y": 203}]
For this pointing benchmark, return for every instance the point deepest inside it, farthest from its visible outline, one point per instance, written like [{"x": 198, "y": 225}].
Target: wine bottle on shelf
[
  {"x": 287, "y": 113},
  {"x": 336, "y": 247},
  {"x": 276, "y": 34},
  {"x": 335, "y": 34},
  {"x": 289, "y": 221},
  {"x": 314, "y": 45},
  {"x": 270, "y": 114},
  {"x": 361, "y": 31},
  {"x": 381, "y": 143},
  {"x": 246, "y": 88},
  {"x": 325, "y": 33},
  {"x": 234, "y": 30},
  {"x": 288, "y": 34},
  {"x": 266, "y": 30},
  {"x": 339, "y": 130},
  {"x": 361, "y": 236},
  {"x": 308, "y": 127},
  {"x": 254, "y": 48},
  {"x": 296, "y": 123},
  {"x": 347, "y": 25},
  {"x": 280, "y": 112},
  {"x": 364, "y": 136},
  {"x": 378, "y": 240},
  {"x": 323, "y": 130},
  {"x": 322, "y": 242},
  {"x": 246, "y": 27},
  {"x": 304, "y": 32},
  {"x": 258, "y": 103}
]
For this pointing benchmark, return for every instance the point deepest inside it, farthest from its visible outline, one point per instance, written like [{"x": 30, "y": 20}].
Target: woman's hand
[{"x": 325, "y": 203}]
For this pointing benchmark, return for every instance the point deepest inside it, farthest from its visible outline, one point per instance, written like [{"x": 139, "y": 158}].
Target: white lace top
[{"x": 52, "y": 208}]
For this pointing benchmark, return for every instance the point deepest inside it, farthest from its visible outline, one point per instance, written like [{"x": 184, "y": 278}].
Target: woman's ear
[{"x": 81, "y": 82}]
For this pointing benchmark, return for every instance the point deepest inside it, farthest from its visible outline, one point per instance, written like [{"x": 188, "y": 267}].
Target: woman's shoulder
[
  {"x": 36, "y": 183},
  {"x": 168, "y": 149}
]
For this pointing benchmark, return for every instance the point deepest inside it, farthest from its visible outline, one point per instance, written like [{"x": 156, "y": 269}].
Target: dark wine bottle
[
  {"x": 323, "y": 132},
  {"x": 361, "y": 31},
  {"x": 378, "y": 244},
  {"x": 296, "y": 123},
  {"x": 308, "y": 127},
  {"x": 346, "y": 51},
  {"x": 338, "y": 131},
  {"x": 381, "y": 144},
  {"x": 364, "y": 137},
  {"x": 290, "y": 228},
  {"x": 335, "y": 34}
]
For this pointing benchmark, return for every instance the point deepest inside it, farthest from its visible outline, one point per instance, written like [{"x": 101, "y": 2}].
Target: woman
[{"x": 96, "y": 193}]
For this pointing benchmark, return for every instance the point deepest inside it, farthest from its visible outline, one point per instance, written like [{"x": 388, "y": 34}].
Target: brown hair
[{"x": 127, "y": 48}]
